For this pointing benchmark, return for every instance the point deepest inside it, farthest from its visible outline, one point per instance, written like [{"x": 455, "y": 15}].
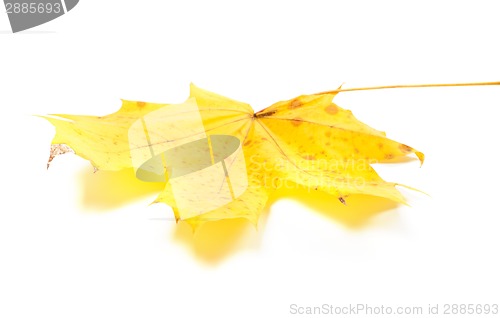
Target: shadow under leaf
[
  {"x": 357, "y": 212},
  {"x": 215, "y": 241},
  {"x": 107, "y": 190}
]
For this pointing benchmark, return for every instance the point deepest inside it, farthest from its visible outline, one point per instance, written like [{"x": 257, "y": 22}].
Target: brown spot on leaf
[
  {"x": 389, "y": 156},
  {"x": 295, "y": 104},
  {"x": 296, "y": 122},
  {"x": 328, "y": 134},
  {"x": 405, "y": 148},
  {"x": 332, "y": 109},
  {"x": 248, "y": 142},
  {"x": 268, "y": 113},
  {"x": 380, "y": 145},
  {"x": 141, "y": 104},
  {"x": 309, "y": 157}
]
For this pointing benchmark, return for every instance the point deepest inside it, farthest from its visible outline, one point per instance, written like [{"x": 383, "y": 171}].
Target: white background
[{"x": 78, "y": 244}]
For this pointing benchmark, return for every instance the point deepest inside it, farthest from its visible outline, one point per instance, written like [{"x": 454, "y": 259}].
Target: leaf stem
[{"x": 406, "y": 86}]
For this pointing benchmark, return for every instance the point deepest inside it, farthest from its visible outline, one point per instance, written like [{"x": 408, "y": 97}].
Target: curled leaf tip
[{"x": 421, "y": 157}]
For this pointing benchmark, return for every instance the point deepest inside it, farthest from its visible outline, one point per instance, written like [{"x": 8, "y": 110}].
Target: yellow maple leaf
[{"x": 220, "y": 160}]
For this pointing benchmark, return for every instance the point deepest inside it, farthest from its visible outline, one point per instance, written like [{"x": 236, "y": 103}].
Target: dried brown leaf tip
[{"x": 56, "y": 150}]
